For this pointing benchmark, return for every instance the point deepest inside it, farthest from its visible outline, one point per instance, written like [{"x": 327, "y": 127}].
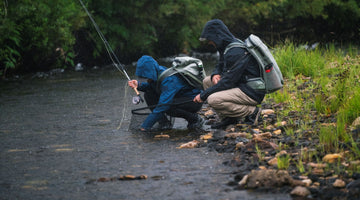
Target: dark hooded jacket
[
  {"x": 231, "y": 76},
  {"x": 171, "y": 87}
]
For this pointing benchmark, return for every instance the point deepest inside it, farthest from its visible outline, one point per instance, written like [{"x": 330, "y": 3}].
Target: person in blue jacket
[
  {"x": 173, "y": 90},
  {"x": 226, "y": 90}
]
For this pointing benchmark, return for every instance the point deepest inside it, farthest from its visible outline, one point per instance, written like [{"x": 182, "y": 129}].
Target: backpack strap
[
  {"x": 238, "y": 43},
  {"x": 168, "y": 72},
  {"x": 241, "y": 44}
]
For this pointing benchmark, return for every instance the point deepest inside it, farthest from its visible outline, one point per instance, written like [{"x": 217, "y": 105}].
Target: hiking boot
[
  {"x": 224, "y": 123},
  {"x": 196, "y": 125},
  {"x": 254, "y": 118},
  {"x": 163, "y": 125}
]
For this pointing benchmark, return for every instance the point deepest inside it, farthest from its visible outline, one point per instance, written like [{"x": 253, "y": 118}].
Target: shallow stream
[{"x": 59, "y": 134}]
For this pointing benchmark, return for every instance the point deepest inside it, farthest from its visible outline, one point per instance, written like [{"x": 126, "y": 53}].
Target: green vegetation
[
  {"x": 320, "y": 98},
  {"x": 42, "y": 34}
]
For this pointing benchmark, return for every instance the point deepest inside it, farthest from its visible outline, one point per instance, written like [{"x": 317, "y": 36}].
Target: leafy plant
[{"x": 283, "y": 161}]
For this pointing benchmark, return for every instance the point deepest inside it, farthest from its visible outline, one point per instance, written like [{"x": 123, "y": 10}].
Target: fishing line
[
  {"x": 124, "y": 108},
  {"x": 109, "y": 50},
  {"x": 112, "y": 55}
]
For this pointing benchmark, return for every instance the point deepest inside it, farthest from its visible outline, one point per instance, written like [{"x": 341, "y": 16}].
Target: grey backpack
[
  {"x": 271, "y": 78},
  {"x": 189, "y": 68}
]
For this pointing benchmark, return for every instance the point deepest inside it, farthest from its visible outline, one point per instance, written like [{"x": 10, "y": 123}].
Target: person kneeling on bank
[
  {"x": 226, "y": 90},
  {"x": 168, "y": 98}
]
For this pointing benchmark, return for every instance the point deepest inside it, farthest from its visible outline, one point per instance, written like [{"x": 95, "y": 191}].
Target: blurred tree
[
  {"x": 42, "y": 34},
  {"x": 158, "y": 28},
  {"x": 37, "y": 35}
]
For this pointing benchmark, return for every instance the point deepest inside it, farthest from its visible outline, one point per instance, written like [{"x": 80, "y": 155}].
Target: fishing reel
[{"x": 137, "y": 99}]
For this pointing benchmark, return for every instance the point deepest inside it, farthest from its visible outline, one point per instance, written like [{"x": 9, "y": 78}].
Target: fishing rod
[
  {"x": 135, "y": 111},
  {"x": 137, "y": 99}
]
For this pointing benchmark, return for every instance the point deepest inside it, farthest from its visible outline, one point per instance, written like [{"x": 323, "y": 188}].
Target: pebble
[
  {"x": 339, "y": 183},
  {"x": 283, "y": 123},
  {"x": 331, "y": 158},
  {"x": 300, "y": 191},
  {"x": 244, "y": 180},
  {"x": 277, "y": 132},
  {"x": 207, "y": 136},
  {"x": 162, "y": 136},
  {"x": 189, "y": 145},
  {"x": 317, "y": 165},
  {"x": 238, "y": 134},
  {"x": 267, "y": 112},
  {"x": 272, "y": 162},
  {"x": 307, "y": 182}
]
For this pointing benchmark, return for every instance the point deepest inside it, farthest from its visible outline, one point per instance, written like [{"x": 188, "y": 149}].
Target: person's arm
[
  {"x": 232, "y": 77},
  {"x": 218, "y": 71}
]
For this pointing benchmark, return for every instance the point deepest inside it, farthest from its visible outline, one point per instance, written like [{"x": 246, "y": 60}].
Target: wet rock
[
  {"x": 262, "y": 136},
  {"x": 307, "y": 182},
  {"x": 262, "y": 167},
  {"x": 189, "y": 145},
  {"x": 270, "y": 128},
  {"x": 267, "y": 112},
  {"x": 300, "y": 191},
  {"x": 209, "y": 114},
  {"x": 238, "y": 134},
  {"x": 79, "y": 67},
  {"x": 317, "y": 165},
  {"x": 239, "y": 145},
  {"x": 282, "y": 152},
  {"x": 270, "y": 179},
  {"x": 339, "y": 183},
  {"x": 283, "y": 123},
  {"x": 317, "y": 171},
  {"x": 277, "y": 132},
  {"x": 331, "y": 158},
  {"x": 207, "y": 136},
  {"x": 162, "y": 136},
  {"x": 244, "y": 180},
  {"x": 273, "y": 162},
  {"x": 261, "y": 144}
]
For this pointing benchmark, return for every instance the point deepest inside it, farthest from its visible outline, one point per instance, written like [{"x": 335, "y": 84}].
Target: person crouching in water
[
  {"x": 173, "y": 90},
  {"x": 226, "y": 90}
]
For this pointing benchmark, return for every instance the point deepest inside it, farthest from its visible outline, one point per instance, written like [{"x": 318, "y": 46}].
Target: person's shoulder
[
  {"x": 173, "y": 79},
  {"x": 235, "y": 53}
]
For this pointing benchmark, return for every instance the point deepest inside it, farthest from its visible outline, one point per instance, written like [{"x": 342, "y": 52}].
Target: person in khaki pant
[{"x": 225, "y": 89}]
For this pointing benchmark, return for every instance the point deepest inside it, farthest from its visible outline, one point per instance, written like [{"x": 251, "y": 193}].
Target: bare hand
[
  {"x": 215, "y": 79},
  {"x": 133, "y": 83},
  {"x": 197, "y": 99}
]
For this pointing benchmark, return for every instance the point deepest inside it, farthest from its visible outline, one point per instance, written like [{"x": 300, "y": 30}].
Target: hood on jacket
[
  {"x": 215, "y": 30},
  {"x": 147, "y": 67}
]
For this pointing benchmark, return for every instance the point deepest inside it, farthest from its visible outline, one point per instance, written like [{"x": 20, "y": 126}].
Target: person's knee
[{"x": 214, "y": 101}]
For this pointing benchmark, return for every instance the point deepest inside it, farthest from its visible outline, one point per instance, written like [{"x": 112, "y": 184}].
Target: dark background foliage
[{"x": 41, "y": 35}]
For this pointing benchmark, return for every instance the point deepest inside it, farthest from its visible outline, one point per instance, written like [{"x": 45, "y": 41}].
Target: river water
[{"x": 59, "y": 134}]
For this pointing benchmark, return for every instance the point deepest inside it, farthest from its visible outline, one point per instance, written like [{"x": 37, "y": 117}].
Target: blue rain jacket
[
  {"x": 171, "y": 87},
  {"x": 231, "y": 76}
]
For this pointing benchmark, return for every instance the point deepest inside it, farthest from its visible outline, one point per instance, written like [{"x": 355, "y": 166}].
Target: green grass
[{"x": 321, "y": 85}]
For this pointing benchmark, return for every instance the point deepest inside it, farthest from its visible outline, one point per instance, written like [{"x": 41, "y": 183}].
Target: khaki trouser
[{"x": 230, "y": 103}]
